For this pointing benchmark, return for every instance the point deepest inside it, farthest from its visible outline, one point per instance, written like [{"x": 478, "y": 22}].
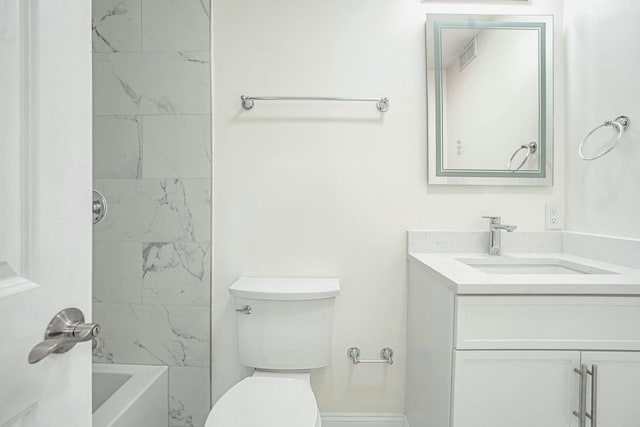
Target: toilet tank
[{"x": 288, "y": 324}]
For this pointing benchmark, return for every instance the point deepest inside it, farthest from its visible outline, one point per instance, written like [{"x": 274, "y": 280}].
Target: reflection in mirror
[
  {"x": 489, "y": 99},
  {"x": 505, "y": 75}
]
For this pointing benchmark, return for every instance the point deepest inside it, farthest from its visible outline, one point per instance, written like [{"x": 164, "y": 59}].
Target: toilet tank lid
[{"x": 285, "y": 288}]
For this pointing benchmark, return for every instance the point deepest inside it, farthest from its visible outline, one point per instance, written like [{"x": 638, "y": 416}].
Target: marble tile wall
[{"x": 152, "y": 161}]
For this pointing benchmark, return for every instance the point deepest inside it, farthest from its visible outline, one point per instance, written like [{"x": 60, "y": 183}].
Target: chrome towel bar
[
  {"x": 621, "y": 123},
  {"x": 382, "y": 104},
  {"x": 386, "y": 356}
]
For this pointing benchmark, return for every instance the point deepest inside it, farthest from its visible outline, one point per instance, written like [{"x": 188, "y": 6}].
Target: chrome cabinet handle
[
  {"x": 581, "y": 413},
  {"x": 66, "y": 329},
  {"x": 246, "y": 309},
  {"x": 593, "y": 416}
]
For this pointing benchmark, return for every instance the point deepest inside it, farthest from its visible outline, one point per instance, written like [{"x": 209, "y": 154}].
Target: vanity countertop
[{"x": 465, "y": 279}]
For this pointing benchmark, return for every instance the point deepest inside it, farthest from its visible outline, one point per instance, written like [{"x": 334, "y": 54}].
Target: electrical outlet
[{"x": 553, "y": 217}]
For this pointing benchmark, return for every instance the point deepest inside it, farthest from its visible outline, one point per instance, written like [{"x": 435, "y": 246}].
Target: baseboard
[{"x": 333, "y": 419}]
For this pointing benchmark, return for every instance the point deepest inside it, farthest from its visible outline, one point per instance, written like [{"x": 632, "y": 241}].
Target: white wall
[
  {"x": 330, "y": 189},
  {"x": 603, "y": 82}
]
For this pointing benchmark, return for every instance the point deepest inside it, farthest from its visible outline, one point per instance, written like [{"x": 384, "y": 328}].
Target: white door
[
  {"x": 45, "y": 194},
  {"x": 617, "y": 388},
  {"x": 515, "y": 388}
]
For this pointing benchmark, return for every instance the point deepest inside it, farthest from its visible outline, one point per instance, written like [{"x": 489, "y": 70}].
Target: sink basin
[{"x": 505, "y": 265}]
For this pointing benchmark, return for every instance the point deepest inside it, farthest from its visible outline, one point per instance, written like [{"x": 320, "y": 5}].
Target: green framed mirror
[{"x": 490, "y": 99}]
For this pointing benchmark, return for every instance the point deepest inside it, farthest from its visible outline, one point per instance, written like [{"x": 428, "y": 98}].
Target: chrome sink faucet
[{"x": 494, "y": 233}]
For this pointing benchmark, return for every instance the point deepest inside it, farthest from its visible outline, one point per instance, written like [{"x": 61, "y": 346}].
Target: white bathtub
[{"x": 130, "y": 395}]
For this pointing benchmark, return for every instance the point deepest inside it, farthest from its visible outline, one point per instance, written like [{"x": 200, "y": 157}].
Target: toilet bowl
[
  {"x": 267, "y": 401},
  {"x": 285, "y": 329}
]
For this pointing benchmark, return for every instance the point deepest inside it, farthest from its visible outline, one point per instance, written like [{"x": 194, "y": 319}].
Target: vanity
[
  {"x": 526, "y": 340},
  {"x": 540, "y": 336}
]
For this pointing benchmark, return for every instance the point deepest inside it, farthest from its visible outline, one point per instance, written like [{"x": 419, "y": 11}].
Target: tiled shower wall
[{"x": 152, "y": 161}]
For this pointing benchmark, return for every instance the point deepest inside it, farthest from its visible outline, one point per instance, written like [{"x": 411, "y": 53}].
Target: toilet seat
[{"x": 266, "y": 402}]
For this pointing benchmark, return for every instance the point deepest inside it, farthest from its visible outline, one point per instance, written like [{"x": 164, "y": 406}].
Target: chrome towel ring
[
  {"x": 532, "y": 147},
  {"x": 621, "y": 123}
]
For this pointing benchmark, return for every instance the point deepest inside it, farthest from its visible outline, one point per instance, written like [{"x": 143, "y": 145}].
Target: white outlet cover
[{"x": 553, "y": 219}]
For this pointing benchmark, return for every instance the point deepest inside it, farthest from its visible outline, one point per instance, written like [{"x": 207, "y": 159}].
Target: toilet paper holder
[{"x": 386, "y": 356}]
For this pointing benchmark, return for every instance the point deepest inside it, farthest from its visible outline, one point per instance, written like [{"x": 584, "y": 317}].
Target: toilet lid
[{"x": 265, "y": 402}]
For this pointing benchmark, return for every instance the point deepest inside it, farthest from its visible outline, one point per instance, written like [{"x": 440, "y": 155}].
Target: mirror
[{"x": 490, "y": 99}]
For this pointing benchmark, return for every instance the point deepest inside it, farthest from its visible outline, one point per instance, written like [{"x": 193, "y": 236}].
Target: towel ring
[
  {"x": 621, "y": 123},
  {"x": 532, "y": 147}
]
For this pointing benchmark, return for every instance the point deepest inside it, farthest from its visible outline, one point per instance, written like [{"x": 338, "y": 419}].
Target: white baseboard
[{"x": 363, "y": 420}]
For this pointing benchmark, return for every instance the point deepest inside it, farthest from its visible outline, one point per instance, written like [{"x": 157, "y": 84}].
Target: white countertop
[{"x": 465, "y": 279}]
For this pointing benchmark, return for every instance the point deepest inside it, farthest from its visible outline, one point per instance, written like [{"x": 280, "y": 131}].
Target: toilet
[{"x": 285, "y": 329}]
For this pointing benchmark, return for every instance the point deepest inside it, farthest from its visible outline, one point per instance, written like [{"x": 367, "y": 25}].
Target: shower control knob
[{"x": 98, "y": 207}]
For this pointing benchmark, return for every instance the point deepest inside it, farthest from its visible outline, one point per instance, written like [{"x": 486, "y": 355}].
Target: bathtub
[{"x": 130, "y": 395}]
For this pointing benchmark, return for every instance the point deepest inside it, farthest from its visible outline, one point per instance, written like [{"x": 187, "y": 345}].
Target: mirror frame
[{"x": 437, "y": 175}]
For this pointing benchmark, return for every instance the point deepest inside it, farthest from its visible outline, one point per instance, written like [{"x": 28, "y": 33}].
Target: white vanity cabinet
[
  {"x": 514, "y": 388},
  {"x": 540, "y": 388},
  {"x": 477, "y": 358},
  {"x": 618, "y": 387}
]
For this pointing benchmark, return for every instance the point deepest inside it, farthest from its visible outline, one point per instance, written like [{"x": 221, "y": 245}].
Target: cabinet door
[
  {"x": 618, "y": 388},
  {"x": 515, "y": 388}
]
